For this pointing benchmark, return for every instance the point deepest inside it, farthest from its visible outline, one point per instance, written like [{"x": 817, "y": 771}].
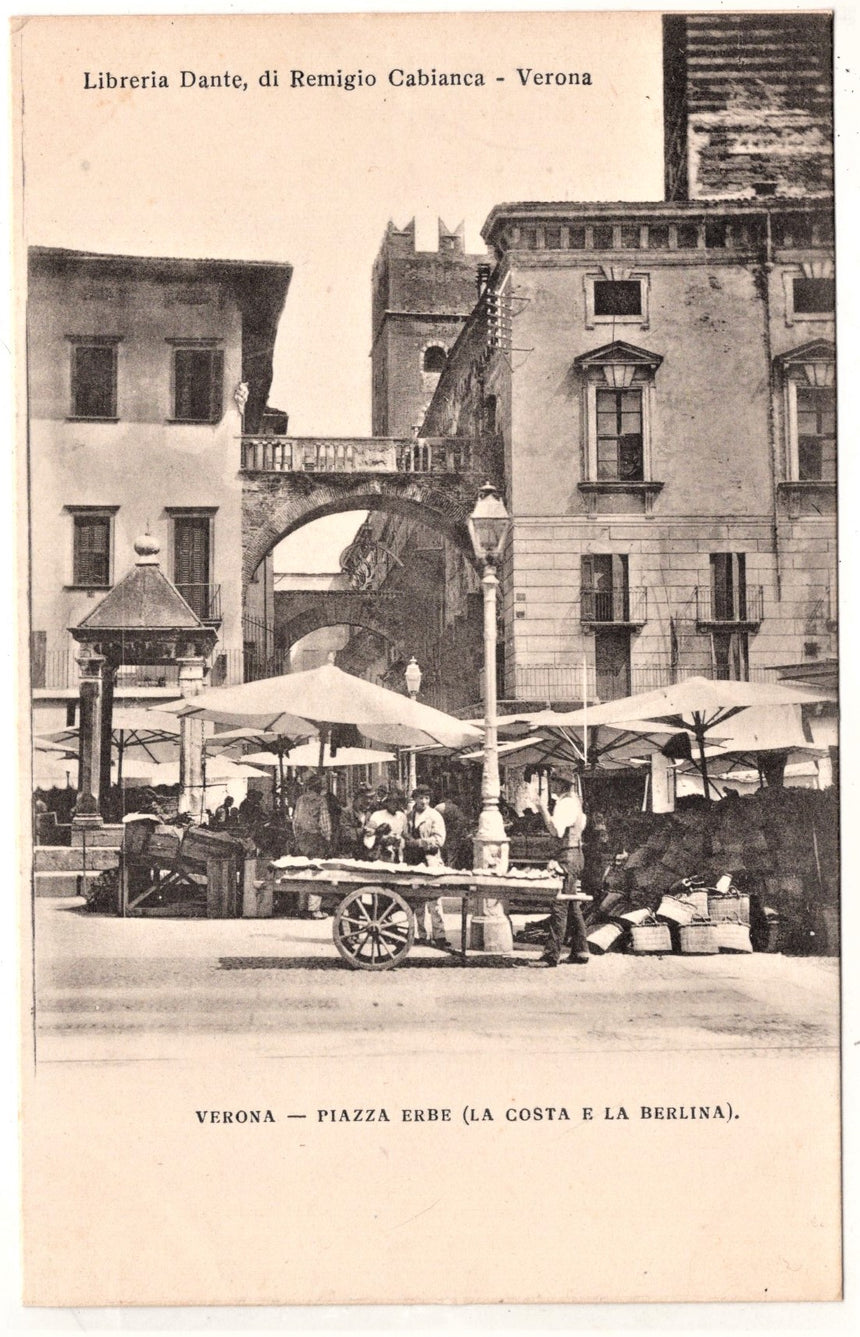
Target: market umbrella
[
  {"x": 307, "y": 754},
  {"x": 302, "y": 705},
  {"x": 135, "y": 733},
  {"x": 602, "y": 748},
  {"x": 698, "y": 705}
]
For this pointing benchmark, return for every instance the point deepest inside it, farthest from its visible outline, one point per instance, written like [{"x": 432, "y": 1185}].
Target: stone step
[
  {"x": 65, "y": 859},
  {"x": 94, "y": 836},
  {"x": 61, "y": 884}
]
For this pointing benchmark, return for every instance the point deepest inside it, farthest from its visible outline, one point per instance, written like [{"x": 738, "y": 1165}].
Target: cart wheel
[{"x": 373, "y": 928}]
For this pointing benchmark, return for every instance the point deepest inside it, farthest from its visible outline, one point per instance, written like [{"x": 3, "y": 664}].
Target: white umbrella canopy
[
  {"x": 308, "y": 754},
  {"x": 607, "y": 748},
  {"x": 699, "y": 706},
  {"x": 305, "y": 704},
  {"x": 135, "y": 732}
]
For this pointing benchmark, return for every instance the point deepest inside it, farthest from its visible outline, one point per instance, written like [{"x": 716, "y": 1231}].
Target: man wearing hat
[
  {"x": 425, "y": 836},
  {"x": 566, "y": 822},
  {"x": 353, "y": 820}
]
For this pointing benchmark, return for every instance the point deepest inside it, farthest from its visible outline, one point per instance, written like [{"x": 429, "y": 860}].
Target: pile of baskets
[
  {"x": 691, "y": 919},
  {"x": 700, "y": 921}
]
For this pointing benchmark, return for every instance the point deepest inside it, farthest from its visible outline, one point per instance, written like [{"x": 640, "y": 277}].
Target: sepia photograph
[{"x": 429, "y": 639}]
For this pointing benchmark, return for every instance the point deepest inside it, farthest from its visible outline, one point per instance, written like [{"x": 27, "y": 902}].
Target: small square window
[
  {"x": 688, "y": 236},
  {"x": 91, "y": 551},
  {"x": 658, "y": 236},
  {"x": 601, "y": 236},
  {"x": 813, "y": 296},
  {"x": 630, "y": 236},
  {"x": 553, "y": 238},
  {"x": 576, "y": 238},
  {"x": 617, "y": 297},
  {"x": 198, "y": 384},
  {"x": 94, "y": 380}
]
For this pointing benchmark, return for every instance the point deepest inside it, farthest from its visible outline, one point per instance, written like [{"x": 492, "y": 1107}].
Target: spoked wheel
[{"x": 373, "y": 928}]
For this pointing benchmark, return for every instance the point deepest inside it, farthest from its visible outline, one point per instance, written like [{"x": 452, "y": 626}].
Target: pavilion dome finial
[{"x": 147, "y": 548}]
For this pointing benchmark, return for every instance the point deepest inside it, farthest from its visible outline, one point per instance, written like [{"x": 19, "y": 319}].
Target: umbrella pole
[
  {"x": 281, "y": 803},
  {"x": 321, "y": 761},
  {"x": 700, "y": 737}
]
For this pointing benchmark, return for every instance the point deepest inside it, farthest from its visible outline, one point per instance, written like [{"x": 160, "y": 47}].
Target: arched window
[{"x": 434, "y": 359}]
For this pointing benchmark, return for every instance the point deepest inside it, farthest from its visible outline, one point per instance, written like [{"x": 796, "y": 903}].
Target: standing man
[
  {"x": 312, "y": 832},
  {"x": 425, "y": 836},
  {"x": 385, "y": 829},
  {"x": 566, "y": 822}
]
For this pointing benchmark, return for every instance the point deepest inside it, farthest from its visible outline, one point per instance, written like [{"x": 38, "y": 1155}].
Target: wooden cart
[{"x": 374, "y": 924}]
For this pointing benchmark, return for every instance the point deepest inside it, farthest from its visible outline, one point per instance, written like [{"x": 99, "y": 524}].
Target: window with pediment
[{"x": 808, "y": 377}]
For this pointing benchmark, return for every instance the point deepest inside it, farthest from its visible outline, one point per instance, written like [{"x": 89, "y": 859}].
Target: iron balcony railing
[
  {"x": 287, "y": 454},
  {"x": 204, "y": 599},
  {"x": 625, "y": 606},
  {"x": 723, "y": 605}
]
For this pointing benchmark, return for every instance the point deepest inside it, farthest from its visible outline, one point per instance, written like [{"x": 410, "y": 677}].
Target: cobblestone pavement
[{"x": 165, "y": 988}]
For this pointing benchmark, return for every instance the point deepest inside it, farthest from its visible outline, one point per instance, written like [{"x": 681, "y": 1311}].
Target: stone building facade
[
  {"x": 660, "y": 379},
  {"x": 132, "y": 367}
]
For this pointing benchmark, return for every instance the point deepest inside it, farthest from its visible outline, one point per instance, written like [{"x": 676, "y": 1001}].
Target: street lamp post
[
  {"x": 412, "y": 674},
  {"x": 488, "y": 528}
]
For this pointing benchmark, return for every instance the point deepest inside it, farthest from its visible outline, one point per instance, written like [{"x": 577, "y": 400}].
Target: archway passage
[
  {"x": 274, "y": 505},
  {"x": 306, "y": 613}
]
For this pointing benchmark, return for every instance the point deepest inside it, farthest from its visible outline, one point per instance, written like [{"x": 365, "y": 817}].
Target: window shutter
[{"x": 216, "y": 408}]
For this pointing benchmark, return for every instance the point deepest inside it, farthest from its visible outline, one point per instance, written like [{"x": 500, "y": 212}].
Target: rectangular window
[
  {"x": 688, "y": 235},
  {"x": 816, "y": 435},
  {"x": 658, "y": 236},
  {"x": 814, "y": 296},
  {"x": 198, "y": 384},
  {"x": 553, "y": 238},
  {"x": 605, "y": 592},
  {"x": 91, "y": 552},
  {"x": 728, "y": 587},
  {"x": 619, "y": 435},
  {"x": 601, "y": 236},
  {"x": 576, "y": 238},
  {"x": 730, "y": 655},
  {"x": 617, "y": 297},
  {"x": 192, "y": 551},
  {"x": 94, "y": 380},
  {"x": 612, "y": 663},
  {"x": 630, "y": 236}
]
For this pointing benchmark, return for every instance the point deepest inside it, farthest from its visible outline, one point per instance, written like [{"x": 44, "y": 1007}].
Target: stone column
[
  {"x": 192, "y": 792},
  {"x": 94, "y": 674}
]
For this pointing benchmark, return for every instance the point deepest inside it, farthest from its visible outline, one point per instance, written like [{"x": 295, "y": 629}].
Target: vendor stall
[{"x": 374, "y": 924}]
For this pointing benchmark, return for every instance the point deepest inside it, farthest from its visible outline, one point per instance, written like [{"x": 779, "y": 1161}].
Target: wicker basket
[
  {"x": 732, "y": 936},
  {"x": 651, "y": 938},
  {"x": 729, "y": 909},
  {"x": 677, "y": 910},
  {"x": 606, "y": 937},
  {"x": 698, "y": 939}
]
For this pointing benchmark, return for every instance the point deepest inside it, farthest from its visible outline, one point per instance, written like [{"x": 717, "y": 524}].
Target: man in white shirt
[
  {"x": 385, "y": 829},
  {"x": 425, "y": 836},
  {"x": 566, "y": 822}
]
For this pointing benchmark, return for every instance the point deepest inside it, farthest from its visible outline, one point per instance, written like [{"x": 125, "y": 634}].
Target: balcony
[
  {"x": 723, "y": 606},
  {"x": 348, "y": 455},
  {"x": 619, "y": 607},
  {"x": 204, "y": 600}
]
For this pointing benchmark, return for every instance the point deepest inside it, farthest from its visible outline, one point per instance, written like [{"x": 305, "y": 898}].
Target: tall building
[
  {"x": 420, "y": 302},
  {"x": 133, "y": 363},
  {"x": 662, "y": 377}
]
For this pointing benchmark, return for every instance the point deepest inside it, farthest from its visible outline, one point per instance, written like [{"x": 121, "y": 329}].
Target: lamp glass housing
[
  {"x": 412, "y": 674},
  {"x": 488, "y": 525}
]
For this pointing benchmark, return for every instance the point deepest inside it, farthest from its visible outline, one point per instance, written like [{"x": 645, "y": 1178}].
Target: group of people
[{"x": 383, "y": 825}]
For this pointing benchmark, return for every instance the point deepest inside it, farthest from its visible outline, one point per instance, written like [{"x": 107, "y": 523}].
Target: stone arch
[
  {"x": 314, "y": 619},
  {"x": 275, "y": 505}
]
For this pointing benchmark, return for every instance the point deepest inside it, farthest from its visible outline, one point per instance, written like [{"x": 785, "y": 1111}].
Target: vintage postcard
[{"x": 429, "y": 646}]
